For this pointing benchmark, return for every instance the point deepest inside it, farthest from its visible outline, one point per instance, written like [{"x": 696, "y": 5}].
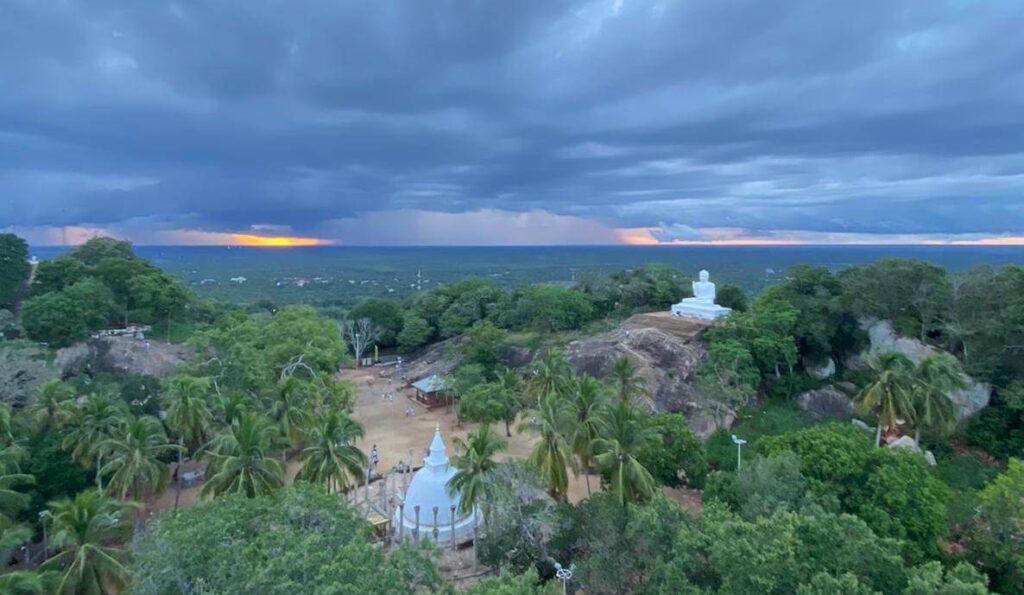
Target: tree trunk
[
  {"x": 181, "y": 456},
  {"x": 508, "y": 432},
  {"x": 99, "y": 476},
  {"x": 586, "y": 476},
  {"x": 878, "y": 434},
  {"x": 917, "y": 437}
]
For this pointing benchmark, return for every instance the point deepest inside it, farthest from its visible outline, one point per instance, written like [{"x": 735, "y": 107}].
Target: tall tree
[
  {"x": 93, "y": 422},
  {"x": 86, "y": 532},
  {"x": 331, "y": 457},
  {"x": 53, "y": 405},
  {"x": 360, "y": 335},
  {"x": 998, "y": 528},
  {"x": 588, "y": 404},
  {"x": 188, "y": 416},
  {"x": 624, "y": 435},
  {"x": 14, "y": 267},
  {"x": 551, "y": 375},
  {"x": 552, "y": 456},
  {"x": 473, "y": 465},
  {"x": 134, "y": 459},
  {"x": 936, "y": 377},
  {"x": 890, "y": 393},
  {"x": 240, "y": 461},
  {"x": 288, "y": 408},
  {"x": 12, "y": 501},
  {"x": 629, "y": 386}
]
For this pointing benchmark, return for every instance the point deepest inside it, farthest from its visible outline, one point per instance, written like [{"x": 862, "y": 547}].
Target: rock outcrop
[
  {"x": 668, "y": 353},
  {"x": 123, "y": 355},
  {"x": 883, "y": 339},
  {"x": 439, "y": 358},
  {"x": 826, "y": 402}
]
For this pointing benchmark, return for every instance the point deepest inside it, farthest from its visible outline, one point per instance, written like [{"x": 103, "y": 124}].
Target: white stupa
[{"x": 429, "y": 490}]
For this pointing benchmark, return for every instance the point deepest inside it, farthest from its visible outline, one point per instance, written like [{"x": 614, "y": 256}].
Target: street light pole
[
  {"x": 564, "y": 575},
  {"x": 739, "y": 442},
  {"x": 43, "y": 515}
]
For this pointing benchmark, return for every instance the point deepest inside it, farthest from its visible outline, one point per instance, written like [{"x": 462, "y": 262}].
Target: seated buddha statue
[{"x": 702, "y": 305}]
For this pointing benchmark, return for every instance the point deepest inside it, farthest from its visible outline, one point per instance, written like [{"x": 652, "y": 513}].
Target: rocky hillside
[
  {"x": 668, "y": 353},
  {"x": 883, "y": 338},
  {"x": 121, "y": 355}
]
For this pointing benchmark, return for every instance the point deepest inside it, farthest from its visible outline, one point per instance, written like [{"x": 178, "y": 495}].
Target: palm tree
[
  {"x": 553, "y": 374},
  {"x": 937, "y": 375},
  {"x": 588, "y": 406},
  {"x": 553, "y": 457},
  {"x": 85, "y": 531},
  {"x": 628, "y": 385},
  {"x": 52, "y": 405},
  {"x": 331, "y": 458},
  {"x": 135, "y": 466},
  {"x": 6, "y": 425},
  {"x": 891, "y": 390},
  {"x": 91, "y": 423},
  {"x": 288, "y": 409},
  {"x": 228, "y": 408},
  {"x": 188, "y": 416},
  {"x": 623, "y": 435},
  {"x": 11, "y": 500},
  {"x": 27, "y": 582},
  {"x": 239, "y": 460},
  {"x": 473, "y": 466},
  {"x": 12, "y": 535}
]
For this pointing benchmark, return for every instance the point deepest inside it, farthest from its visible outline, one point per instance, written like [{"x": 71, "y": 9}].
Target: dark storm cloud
[{"x": 880, "y": 116}]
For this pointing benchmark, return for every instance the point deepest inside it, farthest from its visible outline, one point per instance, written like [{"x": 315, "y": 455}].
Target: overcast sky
[{"x": 512, "y": 122}]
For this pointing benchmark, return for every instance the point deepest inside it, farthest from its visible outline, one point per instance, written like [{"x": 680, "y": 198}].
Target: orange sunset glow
[{"x": 240, "y": 239}]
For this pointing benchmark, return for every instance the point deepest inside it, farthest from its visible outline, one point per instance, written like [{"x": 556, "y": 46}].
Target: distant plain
[{"x": 341, "y": 275}]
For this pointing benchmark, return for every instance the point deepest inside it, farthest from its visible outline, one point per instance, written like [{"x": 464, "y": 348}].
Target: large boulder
[
  {"x": 121, "y": 355},
  {"x": 968, "y": 400},
  {"x": 821, "y": 371},
  {"x": 668, "y": 354},
  {"x": 439, "y": 358},
  {"x": 826, "y": 402}
]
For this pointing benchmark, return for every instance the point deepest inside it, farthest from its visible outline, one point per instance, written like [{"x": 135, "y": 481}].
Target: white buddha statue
[{"x": 702, "y": 305}]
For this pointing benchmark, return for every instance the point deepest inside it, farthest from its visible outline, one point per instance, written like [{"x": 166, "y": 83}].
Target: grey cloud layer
[{"x": 890, "y": 116}]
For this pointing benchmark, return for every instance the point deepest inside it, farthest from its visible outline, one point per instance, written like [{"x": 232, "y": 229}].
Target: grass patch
[{"x": 774, "y": 418}]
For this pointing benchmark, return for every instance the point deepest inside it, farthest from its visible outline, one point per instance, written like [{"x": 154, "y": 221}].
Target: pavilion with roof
[
  {"x": 431, "y": 391},
  {"x": 429, "y": 510}
]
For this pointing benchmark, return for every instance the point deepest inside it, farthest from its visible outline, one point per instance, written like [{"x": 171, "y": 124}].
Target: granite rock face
[
  {"x": 125, "y": 355},
  {"x": 826, "y": 402},
  {"x": 821, "y": 371},
  {"x": 668, "y": 353},
  {"x": 883, "y": 338}
]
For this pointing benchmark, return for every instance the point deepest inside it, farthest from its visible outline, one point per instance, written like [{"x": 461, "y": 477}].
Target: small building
[{"x": 432, "y": 391}]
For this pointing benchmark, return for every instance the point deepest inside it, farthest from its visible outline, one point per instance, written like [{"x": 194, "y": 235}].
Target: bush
[{"x": 298, "y": 540}]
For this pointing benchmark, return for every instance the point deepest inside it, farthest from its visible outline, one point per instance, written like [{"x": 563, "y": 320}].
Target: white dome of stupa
[{"x": 429, "y": 489}]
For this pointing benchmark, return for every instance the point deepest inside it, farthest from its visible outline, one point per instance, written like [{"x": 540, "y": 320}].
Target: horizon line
[{"x": 712, "y": 244}]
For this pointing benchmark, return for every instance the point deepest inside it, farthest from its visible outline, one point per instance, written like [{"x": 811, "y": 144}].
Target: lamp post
[
  {"x": 564, "y": 575},
  {"x": 43, "y": 515},
  {"x": 739, "y": 442}
]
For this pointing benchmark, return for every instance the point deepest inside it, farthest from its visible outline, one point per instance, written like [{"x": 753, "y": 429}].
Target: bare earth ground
[{"x": 399, "y": 438}]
